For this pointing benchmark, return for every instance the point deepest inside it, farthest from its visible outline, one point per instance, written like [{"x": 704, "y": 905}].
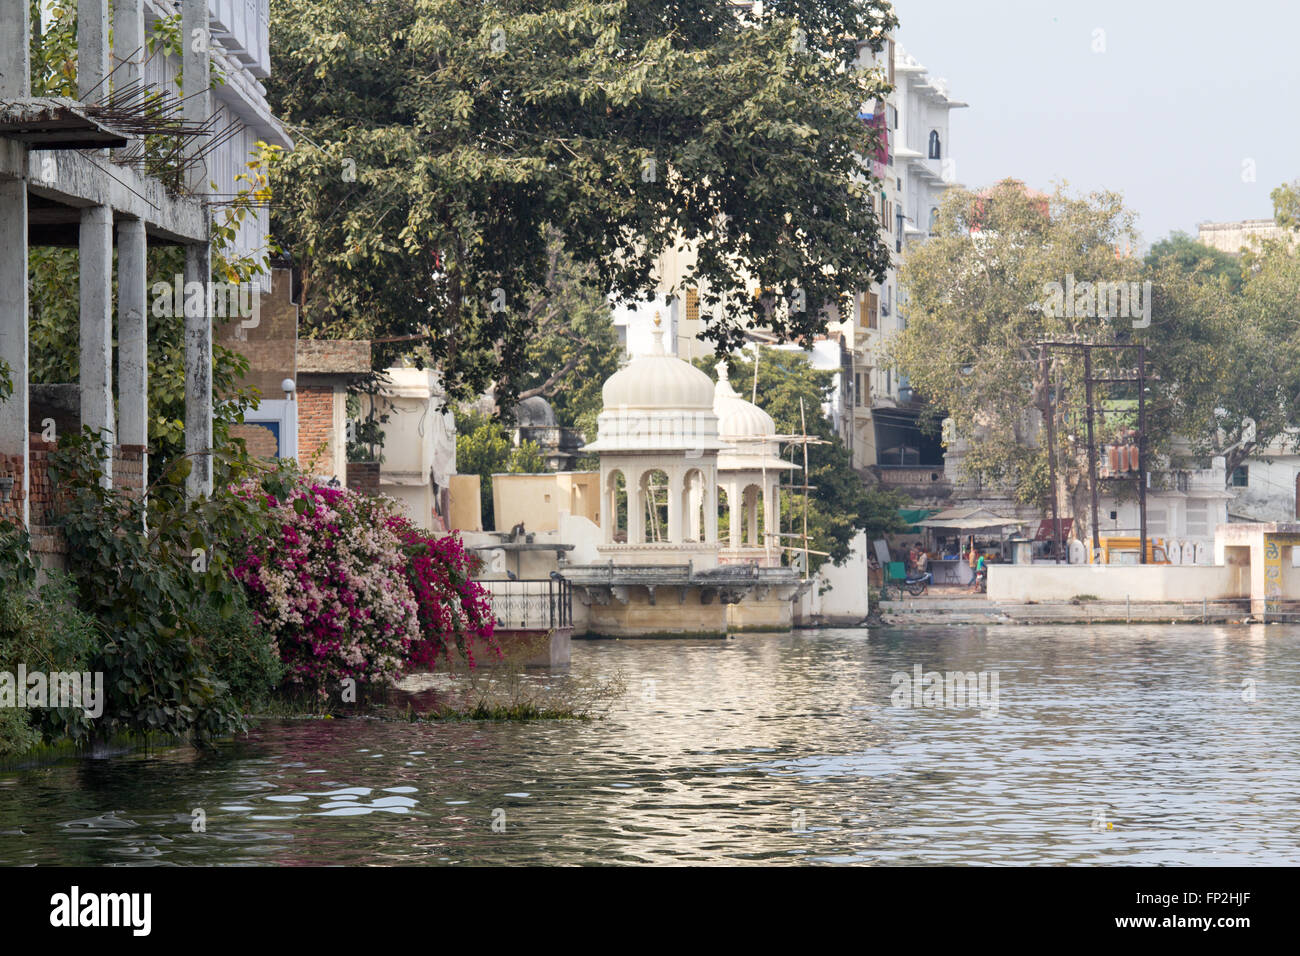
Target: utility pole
[
  {"x": 1092, "y": 449},
  {"x": 1049, "y": 413}
]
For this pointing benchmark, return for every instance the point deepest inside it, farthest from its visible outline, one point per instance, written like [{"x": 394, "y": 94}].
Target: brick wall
[
  {"x": 128, "y": 474},
  {"x": 363, "y": 476},
  {"x": 316, "y": 426}
]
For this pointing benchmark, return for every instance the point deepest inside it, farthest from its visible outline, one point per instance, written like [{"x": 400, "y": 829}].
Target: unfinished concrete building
[{"x": 65, "y": 181}]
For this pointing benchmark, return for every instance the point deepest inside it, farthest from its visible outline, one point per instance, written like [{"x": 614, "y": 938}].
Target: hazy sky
[{"x": 1184, "y": 94}]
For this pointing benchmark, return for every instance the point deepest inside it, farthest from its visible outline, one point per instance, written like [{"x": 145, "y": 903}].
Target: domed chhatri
[
  {"x": 749, "y": 471},
  {"x": 658, "y": 380},
  {"x": 657, "y": 402}
]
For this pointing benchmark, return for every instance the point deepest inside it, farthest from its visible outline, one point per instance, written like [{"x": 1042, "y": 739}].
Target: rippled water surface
[{"x": 762, "y": 748}]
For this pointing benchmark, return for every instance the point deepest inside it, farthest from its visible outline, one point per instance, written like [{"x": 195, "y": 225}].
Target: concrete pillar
[
  {"x": 694, "y": 496},
  {"x": 198, "y": 372},
  {"x": 92, "y": 49},
  {"x": 96, "y": 290},
  {"x": 132, "y": 335},
  {"x": 13, "y": 330},
  {"x": 195, "y": 106},
  {"x": 128, "y": 41},
  {"x": 15, "y": 72}
]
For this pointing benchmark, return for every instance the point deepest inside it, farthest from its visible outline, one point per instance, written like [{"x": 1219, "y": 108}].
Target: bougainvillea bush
[
  {"x": 454, "y": 611},
  {"x": 331, "y": 586}
]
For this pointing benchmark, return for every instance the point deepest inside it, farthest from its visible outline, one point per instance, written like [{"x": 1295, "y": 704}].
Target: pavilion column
[
  {"x": 735, "y": 514},
  {"x": 711, "y": 508},
  {"x": 694, "y": 492},
  {"x": 751, "y": 516},
  {"x": 768, "y": 517},
  {"x": 675, "y": 523},
  {"x": 636, "y": 511},
  {"x": 96, "y": 289},
  {"x": 15, "y": 69},
  {"x": 609, "y": 520}
]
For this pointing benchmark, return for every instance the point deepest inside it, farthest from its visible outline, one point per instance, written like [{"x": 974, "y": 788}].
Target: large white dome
[
  {"x": 738, "y": 418},
  {"x": 657, "y": 402},
  {"x": 658, "y": 380}
]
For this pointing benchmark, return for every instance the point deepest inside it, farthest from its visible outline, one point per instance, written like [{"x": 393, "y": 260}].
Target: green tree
[
  {"x": 979, "y": 300},
  {"x": 841, "y": 504},
  {"x": 441, "y": 144},
  {"x": 1189, "y": 255}
]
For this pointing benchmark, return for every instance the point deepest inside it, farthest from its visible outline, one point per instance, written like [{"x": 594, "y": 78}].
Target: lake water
[{"x": 1110, "y": 744}]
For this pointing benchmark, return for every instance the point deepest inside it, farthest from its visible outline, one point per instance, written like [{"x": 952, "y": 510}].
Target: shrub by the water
[
  {"x": 329, "y": 584},
  {"x": 42, "y": 630},
  {"x": 455, "y": 611}
]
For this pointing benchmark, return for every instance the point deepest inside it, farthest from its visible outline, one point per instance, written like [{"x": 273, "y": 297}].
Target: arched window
[
  {"x": 934, "y": 144},
  {"x": 616, "y": 505},
  {"x": 934, "y": 219},
  {"x": 655, "y": 491}
]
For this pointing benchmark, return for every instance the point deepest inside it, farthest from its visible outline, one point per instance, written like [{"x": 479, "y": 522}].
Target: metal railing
[{"x": 532, "y": 605}]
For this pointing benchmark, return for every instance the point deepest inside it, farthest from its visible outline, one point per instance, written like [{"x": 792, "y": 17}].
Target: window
[
  {"x": 934, "y": 144},
  {"x": 1197, "y": 518},
  {"x": 885, "y": 301},
  {"x": 1241, "y": 476},
  {"x": 857, "y": 389},
  {"x": 870, "y": 306},
  {"x": 1156, "y": 523},
  {"x": 692, "y": 305},
  {"x": 934, "y": 219}
]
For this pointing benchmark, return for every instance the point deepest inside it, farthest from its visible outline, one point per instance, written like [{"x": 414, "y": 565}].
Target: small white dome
[
  {"x": 658, "y": 380},
  {"x": 738, "y": 418}
]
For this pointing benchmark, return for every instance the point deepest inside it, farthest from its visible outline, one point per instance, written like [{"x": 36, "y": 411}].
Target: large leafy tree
[
  {"x": 978, "y": 305},
  {"x": 840, "y": 504},
  {"x": 441, "y": 144},
  {"x": 1229, "y": 345}
]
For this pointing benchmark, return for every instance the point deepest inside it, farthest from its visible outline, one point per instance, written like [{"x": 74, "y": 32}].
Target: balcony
[{"x": 243, "y": 29}]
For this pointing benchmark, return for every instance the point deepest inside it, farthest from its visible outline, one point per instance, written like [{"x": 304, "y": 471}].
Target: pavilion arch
[
  {"x": 656, "y": 505},
  {"x": 616, "y": 507},
  {"x": 698, "y": 494}
]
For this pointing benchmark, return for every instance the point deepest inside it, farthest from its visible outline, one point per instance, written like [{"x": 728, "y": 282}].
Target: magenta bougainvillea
[
  {"x": 348, "y": 588},
  {"x": 454, "y": 611}
]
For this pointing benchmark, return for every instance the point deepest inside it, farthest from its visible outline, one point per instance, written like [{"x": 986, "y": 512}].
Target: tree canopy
[
  {"x": 1222, "y": 335},
  {"x": 442, "y": 144}
]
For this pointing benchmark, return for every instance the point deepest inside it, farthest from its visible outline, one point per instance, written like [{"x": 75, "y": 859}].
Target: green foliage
[
  {"x": 842, "y": 504},
  {"x": 41, "y": 629},
  {"x": 441, "y": 146},
  {"x": 152, "y": 590},
  {"x": 238, "y": 649},
  {"x": 1185, "y": 254}
]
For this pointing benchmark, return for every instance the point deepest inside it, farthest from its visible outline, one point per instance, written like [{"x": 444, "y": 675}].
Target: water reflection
[{"x": 763, "y": 748}]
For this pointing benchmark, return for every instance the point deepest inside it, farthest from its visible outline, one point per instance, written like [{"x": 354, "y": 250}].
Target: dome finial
[{"x": 721, "y": 369}]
